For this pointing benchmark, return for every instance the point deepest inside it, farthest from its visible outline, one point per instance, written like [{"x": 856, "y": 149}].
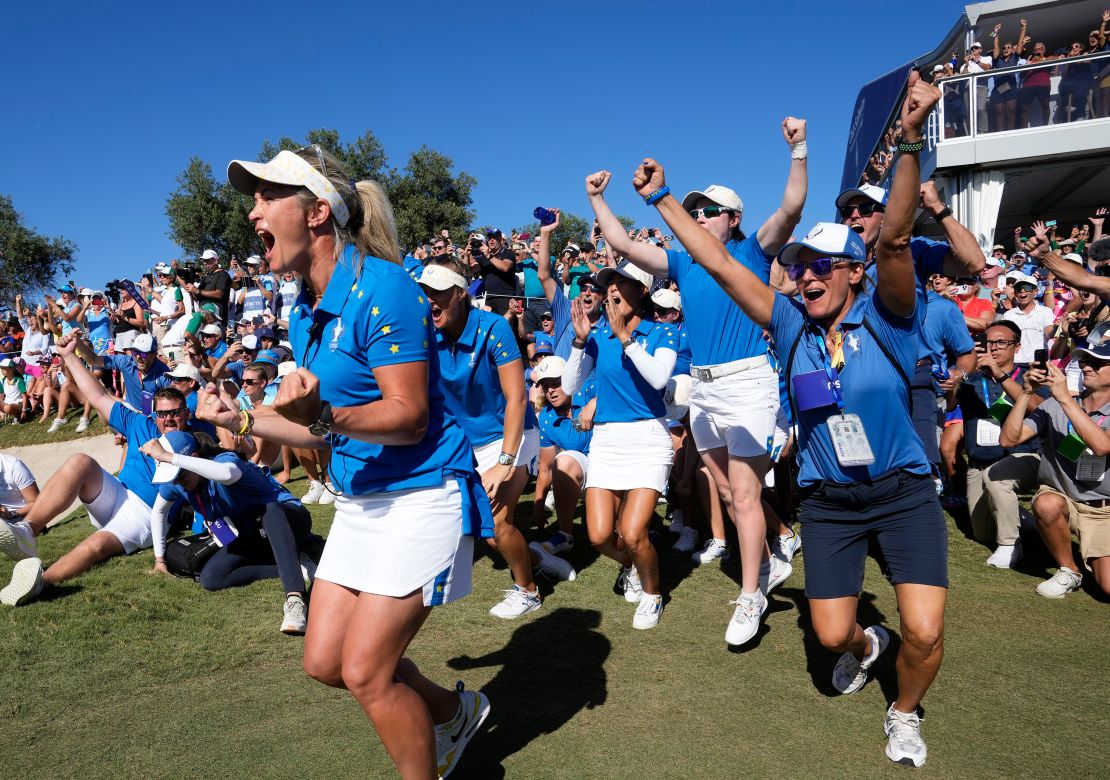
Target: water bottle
[{"x": 545, "y": 216}]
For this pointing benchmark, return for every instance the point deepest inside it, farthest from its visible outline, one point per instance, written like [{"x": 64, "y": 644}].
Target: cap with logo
[
  {"x": 606, "y": 276},
  {"x": 144, "y": 342},
  {"x": 666, "y": 298},
  {"x": 179, "y": 443},
  {"x": 440, "y": 278},
  {"x": 829, "y": 239},
  {"x": 545, "y": 344},
  {"x": 551, "y": 367},
  {"x": 185, "y": 371},
  {"x": 872, "y": 192},
  {"x": 722, "y": 196}
]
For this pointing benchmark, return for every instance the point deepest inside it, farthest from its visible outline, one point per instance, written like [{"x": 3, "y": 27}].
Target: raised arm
[
  {"x": 897, "y": 282},
  {"x": 744, "y": 287},
  {"x": 1069, "y": 273},
  {"x": 776, "y": 231},
  {"x": 543, "y": 257},
  {"x": 648, "y": 257},
  {"x": 89, "y": 385},
  {"x": 965, "y": 257}
]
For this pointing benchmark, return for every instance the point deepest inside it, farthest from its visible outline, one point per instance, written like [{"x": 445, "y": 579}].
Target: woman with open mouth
[
  {"x": 482, "y": 379},
  {"x": 863, "y": 474},
  {"x": 367, "y": 384},
  {"x": 630, "y": 453}
]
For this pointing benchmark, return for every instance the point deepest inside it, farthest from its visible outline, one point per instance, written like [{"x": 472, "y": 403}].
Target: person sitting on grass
[
  {"x": 119, "y": 507},
  {"x": 260, "y": 527},
  {"x": 14, "y": 403},
  {"x": 18, "y": 489},
  {"x": 1074, "y": 497}
]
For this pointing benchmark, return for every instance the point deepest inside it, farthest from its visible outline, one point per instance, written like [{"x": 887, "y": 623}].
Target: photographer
[
  {"x": 497, "y": 266},
  {"x": 215, "y": 286}
]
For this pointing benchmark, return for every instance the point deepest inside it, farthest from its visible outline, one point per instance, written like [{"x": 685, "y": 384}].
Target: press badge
[
  {"x": 1090, "y": 467},
  {"x": 849, "y": 440},
  {"x": 988, "y": 433},
  {"x": 223, "y": 531}
]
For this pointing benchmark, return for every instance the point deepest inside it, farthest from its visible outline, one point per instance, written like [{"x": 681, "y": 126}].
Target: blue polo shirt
[
  {"x": 533, "y": 287},
  {"x": 469, "y": 379},
  {"x": 685, "y": 354},
  {"x": 562, "y": 327},
  {"x": 622, "y": 394},
  {"x": 241, "y": 502},
  {"x": 719, "y": 331},
  {"x": 558, "y": 431},
  {"x": 217, "y": 351},
  {"x": 870, "y": 384},
  {"x": 945, "y": 331},
  {"x": 378, "y": 319},
  {"x": 413, "y": 267},
  {"x": 138, "y": 469},
  {"x": 928, "y": 259},
  {"x": 198, "y": 425},
  {"x": 133, "y": 385},
  {"x": 100, "y": 329}
]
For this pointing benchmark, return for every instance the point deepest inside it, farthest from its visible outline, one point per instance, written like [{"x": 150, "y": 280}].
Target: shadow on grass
[
  {"x": 60, "y": 591},
  {"x": 551, "y": 668}
]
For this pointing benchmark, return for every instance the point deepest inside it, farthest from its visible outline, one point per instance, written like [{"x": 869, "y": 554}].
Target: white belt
[{"x": 709, "y": 373}]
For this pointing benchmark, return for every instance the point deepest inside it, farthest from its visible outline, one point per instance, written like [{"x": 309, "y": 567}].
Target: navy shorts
[
  {"x": 926, "y": 414},
  {"x": 900, "y": 512}
]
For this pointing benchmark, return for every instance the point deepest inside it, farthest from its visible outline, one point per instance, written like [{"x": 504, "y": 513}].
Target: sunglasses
[
  {"x": 710, "y": 212},
  {"x": 319, "y": 157},
  {"x": 822, "y": 266},
  {"x": 179, "y": 379},
  {"x": 864, "y": 209},
  {"x": 252, "y": 381},
  {"x": 1092, "y": 363},
  {"x": 164, "y": 413},
  {"x": 439, "y": 248}
]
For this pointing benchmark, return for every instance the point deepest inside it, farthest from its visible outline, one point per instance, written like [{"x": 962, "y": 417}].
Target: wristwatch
[
  {"x": 322, "y": 426},
  {"x": 505, "y": 459}
]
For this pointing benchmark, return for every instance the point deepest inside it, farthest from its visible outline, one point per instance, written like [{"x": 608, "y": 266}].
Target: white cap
[
  {"x": 1074, "y": 257},
  {"x": 287, "y": 168},
  {"x": 976, "y": 45},
  {"x": 85, "y": 291},
  {"x": 571, "y": 246},
  {"x": 286, "y": 367},
  {"x": 626, "y": 269},
  {"x": 869, "y": 191},
  {"x": 666, "y": 298},
  {"x": 722, "y": 196},
  {"x": 827, "y": 238},
  {"x": 7, "y": 363},
  {"x": 440, "y": 278},
  {"x": 213, "y": 330},
  {"x": 185, "y": 371},
  {"x": 254, "y": 260},
  {"x": 163, "y": 268},
  {"x": 551, "y": 367},
  {"x": 144, "y": 342},
  {"x": 938, "y": 69},
  {"x": 1017, "y": 277},
  {"x": 677, "y": 396},
  {"x": 250, "y": 341},
  {"x": 996, "y": 261},
  {"x": 209, "y": 254}
]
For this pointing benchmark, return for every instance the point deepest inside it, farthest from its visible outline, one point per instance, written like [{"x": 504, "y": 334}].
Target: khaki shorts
[{"x": 1090, "y": 525}]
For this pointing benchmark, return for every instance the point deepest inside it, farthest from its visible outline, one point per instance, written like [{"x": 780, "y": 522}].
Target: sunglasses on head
[
  {"x": 864, "y": 209},
  {"x": 822, "y": 266},
  {"x": 709, "y": 212},
  {"x": 163, "y": 413}
]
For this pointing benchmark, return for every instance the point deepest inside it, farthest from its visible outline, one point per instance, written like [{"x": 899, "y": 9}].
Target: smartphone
[
  {"x": 1050, "y": 223},
  {"x": 1040, "y": 360},
  {"x": 980, "y": 340}
]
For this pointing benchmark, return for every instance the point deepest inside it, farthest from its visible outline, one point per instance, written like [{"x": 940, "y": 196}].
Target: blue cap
[
  {"x": 268, "y": 356},
  {"x": 545, "y": 344},
  {"x": 66, "y": 288},
  {"x": 265, "y": 332},
  {"x": 177, "y": 442},
  {"x": 829, "y": 239}
]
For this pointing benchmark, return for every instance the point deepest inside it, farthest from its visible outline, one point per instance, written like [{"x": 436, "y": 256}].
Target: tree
[
  {"x": 206, "y": 215},
  {"x": 572, "y": 229},
  {"x": 428, "y": 198},
  {"x": 363, "y": 159},
  {"x": 29, "y": 261}
]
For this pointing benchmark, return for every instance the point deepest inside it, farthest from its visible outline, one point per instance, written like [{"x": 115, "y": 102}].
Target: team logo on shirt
[
  {"x": 336, "y": 332},
  {"x": 853, "y": 342}
]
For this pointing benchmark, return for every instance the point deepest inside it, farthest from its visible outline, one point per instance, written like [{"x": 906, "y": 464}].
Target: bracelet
[
  {"x": 578, "y": 344},
  {"x": 944, "y": 214},
  {"x": 247, "y": 422},
  {"x": 909, "y": 147},
  {"x": 628, "y": 342},
  {"x": 799, "y": 151},
  {"x": 658, "y": 195}
]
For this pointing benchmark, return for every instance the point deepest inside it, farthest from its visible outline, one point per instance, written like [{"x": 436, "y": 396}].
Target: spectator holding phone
[{"x": 497, "y": 266}]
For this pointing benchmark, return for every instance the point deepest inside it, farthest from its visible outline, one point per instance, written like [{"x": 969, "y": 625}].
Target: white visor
[{"x": 287, "y": 168}]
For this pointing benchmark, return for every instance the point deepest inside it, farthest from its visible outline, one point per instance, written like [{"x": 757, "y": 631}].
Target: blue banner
[{"x": 876, "y": 107}]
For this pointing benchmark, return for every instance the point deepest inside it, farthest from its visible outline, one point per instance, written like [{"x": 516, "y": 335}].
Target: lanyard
[
  {"x": 198, "y": 502},
  {"x": 834, "y": 377},
  {"x": 986, "y": 394}
]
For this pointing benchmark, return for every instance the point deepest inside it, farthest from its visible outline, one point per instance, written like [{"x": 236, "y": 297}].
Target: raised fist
[
  {"x": 648, "y": 177},
  {"x": 794, "y": 130},
  {"x": 597, "y": 182}
]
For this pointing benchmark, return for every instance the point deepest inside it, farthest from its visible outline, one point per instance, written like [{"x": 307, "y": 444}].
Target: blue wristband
[{"x": 658, "y": 195}]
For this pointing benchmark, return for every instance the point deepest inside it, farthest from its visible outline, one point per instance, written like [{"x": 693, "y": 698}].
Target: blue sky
[{"x": 105, "y": 103}]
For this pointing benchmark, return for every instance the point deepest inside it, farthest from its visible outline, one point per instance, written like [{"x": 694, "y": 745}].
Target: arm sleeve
[
  {"x": 158, "y": 526},
  {"x": 578, "y": 368},
  {"x": 223, "y": 472},
  {"x": 657, "y": 368}
]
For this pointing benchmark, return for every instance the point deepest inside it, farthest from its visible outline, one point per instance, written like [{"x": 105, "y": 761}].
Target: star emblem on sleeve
[
  {"x": 374, "y": 312},
  {"x": 386, "y": 329},
  {"x": 360, "y": 294},
  {"x": 420, "y": 299},
  {"x": 394, "y": 349}
]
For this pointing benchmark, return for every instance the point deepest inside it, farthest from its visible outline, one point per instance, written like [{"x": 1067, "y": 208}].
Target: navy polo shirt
[
  {"x": 622, "y": 394},
  {"x": 469, "y": 379},
  {"x": 133, "y": 385},
  {"x": 928, "y": 259},
  {"x": 944, "y": 333},
  {"x": 558, "y": 431},
  {"x": 976, "y": 394},
  {"x": 138, "y": 469},
  {"x": 870, "y": 384},
  {"x": 242, "y": 501},
  {"x": 719, "y": 331},
  {"x": 378, "y": 319}
]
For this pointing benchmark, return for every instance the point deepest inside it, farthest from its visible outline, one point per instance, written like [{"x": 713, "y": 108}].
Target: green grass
[
  {"x": 35, "y": 432},
  {"x": 123, "y": 675}
]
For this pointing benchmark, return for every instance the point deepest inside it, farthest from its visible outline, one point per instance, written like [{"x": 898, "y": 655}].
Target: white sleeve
[
  {"x": 21, "y": 476},
  {"x": 223, "y": 472},
  {"x": 158, "y": 526},
  {"x": 657, "y": 368},
  {"x": 578, "y": 369}
]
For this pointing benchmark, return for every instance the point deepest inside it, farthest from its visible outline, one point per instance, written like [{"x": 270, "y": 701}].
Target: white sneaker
[
  {"x": 745, "y": 620},
  {"x": 315, "y": 490},
  {"x": 904, "y": 744},
  {"x": 329, "y": 495},
  {"x": 850, "y": 673},
  {"x": 687, "y": 541},
  {"x": 308, "y": 570},
  {"x": 629, "y": 582},
  {"x": 17, "y": 540},
  {"x": 26, "y": 583},
  {"x": 677, "y": 522},
  {"x": 549, "y": 502},
  {"x": 1060, "y": 584},
  {"x": 772, "y": 573},
  {"x": 56, "y": 425},
  {"x": 648, "y": 611},
  {"x": 1005, "y": 556},
  {"x": 559, "y": 542},
  {"x": 453, "y": 736},
  {"x": 294, "y": 615},
  {"x": 82, "y": 425},
  {"x": 786, "y": 546},
  {"x": 517, "y": 602},
  {"x": 552, "y": 567},
  {"x": 713, "y": 549}
]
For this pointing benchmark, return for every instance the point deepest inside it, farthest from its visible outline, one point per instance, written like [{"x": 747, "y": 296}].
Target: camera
[{"x": 111, "y": 289}]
